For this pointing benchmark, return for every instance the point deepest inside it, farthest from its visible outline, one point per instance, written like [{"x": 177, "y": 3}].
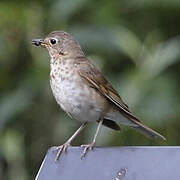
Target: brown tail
[{"x": 148, "y": 131}]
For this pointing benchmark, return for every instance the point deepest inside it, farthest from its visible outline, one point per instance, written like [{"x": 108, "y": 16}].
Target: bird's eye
[{"x": 53, "y": 41}]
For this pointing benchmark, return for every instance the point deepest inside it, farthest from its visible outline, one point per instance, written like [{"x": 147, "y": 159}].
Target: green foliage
[{"x": 134, "y": 43}]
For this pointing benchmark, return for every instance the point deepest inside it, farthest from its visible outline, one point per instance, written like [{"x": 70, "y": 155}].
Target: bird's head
[{"x": 59, "y": 43}]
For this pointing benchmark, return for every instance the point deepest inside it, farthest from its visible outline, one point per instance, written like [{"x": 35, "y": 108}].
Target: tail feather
[
  {"x": 133, "y": 122},
  {"x": 111, "y": 124},
  {"x": 148, "y": 131}
]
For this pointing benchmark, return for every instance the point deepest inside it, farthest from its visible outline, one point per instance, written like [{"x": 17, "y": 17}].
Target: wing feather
[
  {"x": 90, "y": 74},
  {"x": 96, "y": 80}
]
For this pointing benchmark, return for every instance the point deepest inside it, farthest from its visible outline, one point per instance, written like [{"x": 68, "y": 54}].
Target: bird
[{"x": 83, "y": 92}]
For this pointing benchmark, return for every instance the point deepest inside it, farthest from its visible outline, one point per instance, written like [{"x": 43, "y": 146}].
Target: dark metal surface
[{"x": 113, "y": 163}]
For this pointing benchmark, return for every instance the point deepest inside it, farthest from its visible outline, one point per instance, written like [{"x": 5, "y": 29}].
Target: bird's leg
[
  {"x": 63, "y": 147},
  {"x": 91, "y": 145}
]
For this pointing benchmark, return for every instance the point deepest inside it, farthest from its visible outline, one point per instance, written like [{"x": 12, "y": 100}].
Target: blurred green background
[{"x": 136, "y": 44}]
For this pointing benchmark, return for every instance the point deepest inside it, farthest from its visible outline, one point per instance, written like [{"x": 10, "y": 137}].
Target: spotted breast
[{"x": 71, "y": 93}]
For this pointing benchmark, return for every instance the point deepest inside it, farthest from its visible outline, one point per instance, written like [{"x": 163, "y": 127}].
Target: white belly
[{"x": 76, "y": 100}]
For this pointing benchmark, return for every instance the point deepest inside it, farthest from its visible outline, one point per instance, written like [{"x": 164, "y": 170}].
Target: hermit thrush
[{"x": 82, "y": 91}]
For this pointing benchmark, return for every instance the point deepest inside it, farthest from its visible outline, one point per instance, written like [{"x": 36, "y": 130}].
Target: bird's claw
[
  {"x": 62, "y": 148},
  {"x": 86, "y": 148}
]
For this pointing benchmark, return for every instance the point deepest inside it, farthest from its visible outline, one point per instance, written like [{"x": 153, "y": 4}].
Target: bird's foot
[
  {"x": 62, "y": 148},
  {"x": 86, "y": 148}
]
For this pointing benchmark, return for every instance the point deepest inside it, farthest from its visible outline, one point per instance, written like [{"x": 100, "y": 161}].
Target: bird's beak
[{"x": 38, "y": 42}]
